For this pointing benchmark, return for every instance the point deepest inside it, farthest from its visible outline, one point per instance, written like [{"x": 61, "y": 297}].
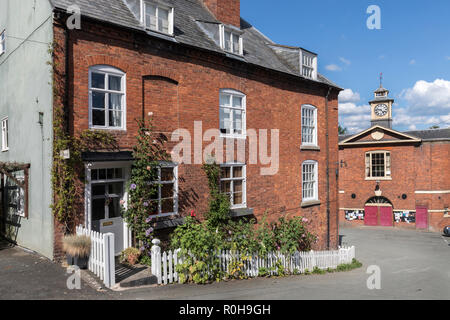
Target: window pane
[
  {"x": 225, "y": 120},
  {"x": 237, "y": 121},
  {"x": 163, "y": 20},
  {"x": 98, "y": 209},
  {"x": 237, "y": 186},
  {"x": 115, "y": 83},
  {"x": 94, "y": 174},
  {"x": 115, "y": 101},
  {"x": 227, "y": 41},
  {"x": 98, "y": 190},
  {"x": 150, "y": 17},
  {"x": 167, "y": 206},
  {"x": 236, "y": 44},
  {"x": 98, "y": 100},
  {"x": 167, "y": 190},
  {"x": 115, "y": 118},
  {"x": 237, "y": 198},
  {"x": 225, "y": 172},
  {"x": 114, "y": 208},
  {"x": 167, "y": 174},
  {"x": 237, "y": 102},
  {"x": 237, "y": 172},
  {"x": 110, "y": 174},
  {"x": 98, "y": 117},
  {"x": 102, "y": 174},
  {"x": 226, "y": 186},
  {"x": 118, "y": 173},
  {"x": 115, "y": 189},
  {"x": 225, "y": 100},
  {"x": 98, "y": 80}
]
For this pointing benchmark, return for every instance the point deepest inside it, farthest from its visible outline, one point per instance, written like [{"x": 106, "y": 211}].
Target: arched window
[
  {"x": 309, "y": 125},
  {"x": 107, "y": 100},
  {"x": 310, "y": 181},
  {"x": 232, "y": 113}
]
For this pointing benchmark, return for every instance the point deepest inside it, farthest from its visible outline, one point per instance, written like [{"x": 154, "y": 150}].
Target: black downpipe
[{"x": 328, "y": 166}]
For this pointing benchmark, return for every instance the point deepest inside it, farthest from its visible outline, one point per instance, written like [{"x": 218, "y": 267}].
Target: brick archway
[{"x": 378, "y": 211}]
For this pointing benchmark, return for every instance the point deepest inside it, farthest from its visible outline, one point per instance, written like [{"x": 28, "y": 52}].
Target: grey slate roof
[
  {"x": 187, "y": 31},
  {"x": 434, "y": 134}
]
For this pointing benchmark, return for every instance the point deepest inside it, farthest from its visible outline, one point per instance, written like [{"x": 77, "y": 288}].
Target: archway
[{"x": 378, "y": 212}]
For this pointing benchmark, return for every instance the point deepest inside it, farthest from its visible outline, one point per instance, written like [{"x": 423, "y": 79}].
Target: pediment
[{"x": 379, "y": 135}]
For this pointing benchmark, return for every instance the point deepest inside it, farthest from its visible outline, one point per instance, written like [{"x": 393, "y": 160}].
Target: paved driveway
[{"x": 414, "y": 265}]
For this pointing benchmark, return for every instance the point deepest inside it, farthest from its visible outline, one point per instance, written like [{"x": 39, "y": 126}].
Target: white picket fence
[
  {"x": 101, "y": 259},
  {"x": 164, "y": 265}
]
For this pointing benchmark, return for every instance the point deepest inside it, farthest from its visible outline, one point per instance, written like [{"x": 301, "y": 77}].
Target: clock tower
[{"x": 381, "y": 108}]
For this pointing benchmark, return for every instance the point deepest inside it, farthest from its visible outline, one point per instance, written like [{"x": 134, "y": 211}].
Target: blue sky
[{"x": 412, "y": 49}]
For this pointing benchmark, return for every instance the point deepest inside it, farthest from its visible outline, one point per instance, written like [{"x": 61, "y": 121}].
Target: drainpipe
[{"x": 328, "y": 166}]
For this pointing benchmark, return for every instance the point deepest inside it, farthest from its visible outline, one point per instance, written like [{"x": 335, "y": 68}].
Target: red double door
[{"x": 378, "y": 216}]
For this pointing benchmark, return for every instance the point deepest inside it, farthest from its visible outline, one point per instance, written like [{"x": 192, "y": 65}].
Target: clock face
[{"x": 381, "y": 110}]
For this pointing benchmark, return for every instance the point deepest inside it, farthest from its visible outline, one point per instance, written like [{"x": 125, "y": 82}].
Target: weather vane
[{"x": 381, "y": 79}]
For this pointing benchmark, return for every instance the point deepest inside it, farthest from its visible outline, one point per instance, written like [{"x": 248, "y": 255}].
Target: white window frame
[
  {"x": 224, "y": 29},
  {"x": 174, "y": 166},
  {"x": 5, "y": 134},
  {"x": 387, "y": 165},
  {"x": 3, "y": 42},
  {"x": 304, "y": 108},
  {"x": 315, "y": 188},
  {"x": 157, "y": 7},
  {"x": 107, "y": 71},
  {"x": 235, "y": 93},
  {"x": 232, "y": 179},
  {"x": 308, "y": 63}
]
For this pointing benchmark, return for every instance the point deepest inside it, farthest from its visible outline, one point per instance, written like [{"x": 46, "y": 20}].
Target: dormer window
[
  {"x": 231, "y": 41},
  {"x": 308, "y": 64},
  {"x": 158, "y": 18}
]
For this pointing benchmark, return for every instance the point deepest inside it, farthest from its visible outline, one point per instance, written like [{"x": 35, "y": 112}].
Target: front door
[
  {"x": 107, "y": 189},
  {"x": 421, "y": 218},
  {"x": 378, "y": 216},
  {"x": 371, "y": 216},
  {"x": 386, "y": 216}
]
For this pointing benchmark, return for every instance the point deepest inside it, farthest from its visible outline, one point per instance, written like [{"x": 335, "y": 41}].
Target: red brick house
[
  {"x": 196, "y": 66},
  {"x": 391, "y": 178}
]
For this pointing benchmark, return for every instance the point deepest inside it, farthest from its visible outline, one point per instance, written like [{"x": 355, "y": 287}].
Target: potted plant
[
  {"x": 130, "y": 256},
  {"x": 78, "y": 249}
]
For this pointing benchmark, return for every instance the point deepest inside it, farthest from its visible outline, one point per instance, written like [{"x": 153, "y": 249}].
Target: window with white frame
[
  {"x": 165, "y": 201},
  {"x": 107, "y": 99},
  {"x": 232, "y": 113},
  {"x": 308, "y": 64},
  {"x": 233, "y": 184},
  {"x": 309, "y": 181},
  {"x": 231, "y": 41},
  {"x": 378, "y": 165},
  {"x": 158, "y": 18},
  {"x": 5, "y": 129},
  {"x": 309, "y": 125},
  {"x": 2, "y": 42}
]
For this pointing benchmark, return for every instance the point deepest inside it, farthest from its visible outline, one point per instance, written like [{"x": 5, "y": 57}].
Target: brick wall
[
  {"x": 181, "y": 85},
  {"x": 414, "y": 168}
]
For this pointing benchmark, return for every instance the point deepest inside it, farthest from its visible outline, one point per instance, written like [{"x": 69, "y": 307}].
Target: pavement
[{"x": 413, "y": 265}]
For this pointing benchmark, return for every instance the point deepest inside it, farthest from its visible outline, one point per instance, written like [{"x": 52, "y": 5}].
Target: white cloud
[
  {"x": 348, "y": 95},
  {"x": 412, "y": 62},
  {"x": 333, "y": 67},
  {"x": 428, "y": 95},
  {"x": 352, "y": 116},
  {"x": 345, "y": 61}
]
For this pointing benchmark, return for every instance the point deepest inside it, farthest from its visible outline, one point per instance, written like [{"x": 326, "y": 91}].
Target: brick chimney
[{"x": 226, "y": 11}]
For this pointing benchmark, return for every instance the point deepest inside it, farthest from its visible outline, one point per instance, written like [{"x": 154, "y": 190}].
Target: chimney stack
[{"x": 226, "y": 11}]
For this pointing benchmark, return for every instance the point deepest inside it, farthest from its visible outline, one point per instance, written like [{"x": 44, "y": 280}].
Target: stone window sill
[
  {"x": 310, "y": 148},
  {"x": 307, "y": 204}
]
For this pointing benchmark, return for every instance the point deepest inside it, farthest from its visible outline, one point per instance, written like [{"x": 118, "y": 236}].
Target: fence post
[
  {"x": 155, "y": 249},
  {"x": 108, "y": 255}
]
